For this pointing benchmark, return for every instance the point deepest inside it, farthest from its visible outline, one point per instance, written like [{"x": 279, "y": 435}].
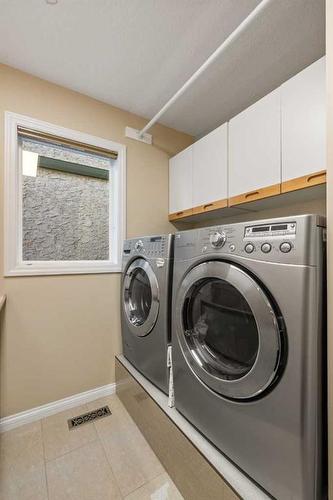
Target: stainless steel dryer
[
  {"x": 247, "y": 346},
  {"x": 145, "y": 305}
]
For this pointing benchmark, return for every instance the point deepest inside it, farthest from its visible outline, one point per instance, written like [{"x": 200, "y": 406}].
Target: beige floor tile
[
  {"x": 106, "y": 400},
  {"x": 160, "y": 488},
  {"x": 22, "y": 470},
  {"x": 83, "y": 474},
  {"x": 58, "y": 439},
  {"x": 131, "y": 458}
]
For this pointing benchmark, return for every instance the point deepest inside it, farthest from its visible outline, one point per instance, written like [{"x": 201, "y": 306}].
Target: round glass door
[
  {"x": 228, "y": 330},
  {"x": 140, "y": 297},
  {"x": 220, "y": 327}
]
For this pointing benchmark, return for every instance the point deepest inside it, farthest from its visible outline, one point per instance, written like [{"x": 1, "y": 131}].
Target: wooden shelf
[
  {"x": 310, "y": 187},
  {"x": 208, "y": 207},
  {"x": 181, "y": 214},
  {"x": 306, "y": 181},
  {"x": 258, "y": 194}
]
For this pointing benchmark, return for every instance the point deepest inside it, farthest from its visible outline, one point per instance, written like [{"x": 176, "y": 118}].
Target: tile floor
[{"x": 104, "y": 460}]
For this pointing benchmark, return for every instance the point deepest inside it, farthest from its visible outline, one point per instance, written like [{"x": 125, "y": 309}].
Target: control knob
[
  {"x": 266, "y": 247},
  {"x": 249, "y": 248},
  {"x": 285, "y": 247},
  {"x": 217, "y": 239},
  {"x": 139, "y": 246}
]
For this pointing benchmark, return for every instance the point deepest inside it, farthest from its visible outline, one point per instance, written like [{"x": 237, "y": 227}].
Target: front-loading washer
[
  {"x": 145, "y": 305},
  {"x": 247, "y": 336}
]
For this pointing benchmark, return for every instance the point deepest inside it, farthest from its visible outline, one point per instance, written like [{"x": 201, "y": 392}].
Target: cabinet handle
[
  {"x": 208, "y": 205},
  {"x": 315, "y": 176},
  {"x": 251, "y": 194},
  {"x": 180, "y": 213}
]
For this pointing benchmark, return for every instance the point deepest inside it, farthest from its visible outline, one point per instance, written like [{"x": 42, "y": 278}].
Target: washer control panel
[{"x": 150, "y": 246}]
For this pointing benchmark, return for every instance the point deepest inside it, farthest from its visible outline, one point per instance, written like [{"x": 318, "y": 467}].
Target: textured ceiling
[{"x": 135, "y": 54}]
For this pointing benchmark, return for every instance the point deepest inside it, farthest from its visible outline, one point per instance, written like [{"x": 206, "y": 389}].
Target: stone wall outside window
[{"x": 65, "y": 216}]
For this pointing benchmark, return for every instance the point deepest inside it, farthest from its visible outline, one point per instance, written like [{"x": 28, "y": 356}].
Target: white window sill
[{"x": 48, "y": 269}]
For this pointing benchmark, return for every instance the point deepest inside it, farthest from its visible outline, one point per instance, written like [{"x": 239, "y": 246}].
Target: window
[{"x": 64, "y": 200}]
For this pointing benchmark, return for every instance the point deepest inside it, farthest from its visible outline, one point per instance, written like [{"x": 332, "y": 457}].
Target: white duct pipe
[{"x": 243, "y": 25}]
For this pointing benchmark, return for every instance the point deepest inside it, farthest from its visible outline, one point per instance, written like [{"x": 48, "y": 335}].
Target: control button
[
  {"x": 285, "y": 247},
  {"x": 217, "y": 239},
  {"x": 232, "y": 247},
  {"x": 266, "y": 247},
  {"x": 249, "y": 248},
  {"x": 139, "y": 246},
  {"x": 204, "y": 249}
]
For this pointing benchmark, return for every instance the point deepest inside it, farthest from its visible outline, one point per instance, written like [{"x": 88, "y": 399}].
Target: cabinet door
[
  {"x": 180, "y": 181},
  {"x": 303, "y": 104},
  {"x": 210, "y": 167},
  {"x": 255, "y": 151}
]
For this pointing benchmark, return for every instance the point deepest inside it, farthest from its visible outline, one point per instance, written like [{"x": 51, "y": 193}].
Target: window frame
[{"x": 14, "y": 265}]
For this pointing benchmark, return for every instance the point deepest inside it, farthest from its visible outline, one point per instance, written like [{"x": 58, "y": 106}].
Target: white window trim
[{"x": 14, "y": 265}]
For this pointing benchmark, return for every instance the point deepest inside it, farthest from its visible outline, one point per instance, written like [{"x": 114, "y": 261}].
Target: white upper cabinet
[
  {"x": 303, "y": 102},
  {"x": 255, "y": 147},
  {"x": 276, "y": 145},
  {"x": 180, "y": 181},
  {"x": 210, "y": 167}
]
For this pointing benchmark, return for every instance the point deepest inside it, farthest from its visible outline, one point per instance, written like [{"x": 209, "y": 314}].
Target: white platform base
[
  {"x": 25, "y": 417},
  {"x": 246, "y": 489}
]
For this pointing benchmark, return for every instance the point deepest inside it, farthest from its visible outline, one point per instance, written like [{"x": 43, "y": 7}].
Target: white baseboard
[{"x": 25, "y": 417}]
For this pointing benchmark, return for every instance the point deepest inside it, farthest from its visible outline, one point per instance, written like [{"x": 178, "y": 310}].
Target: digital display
[
  {"x": 156, "y": 238},
  {"x": 281, "y": 227},
  {"x": 127, "y": 251},
  {"x": 259, "y": 229}
]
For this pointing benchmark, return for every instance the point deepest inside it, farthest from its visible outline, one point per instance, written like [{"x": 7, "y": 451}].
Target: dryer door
[
  {"x": 140, "y": 297},
  {"x": 228, "y": 330}
]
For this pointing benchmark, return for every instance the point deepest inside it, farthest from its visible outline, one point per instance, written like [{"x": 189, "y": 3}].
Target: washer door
[
  {"x": 140, "y": 297},
  {"x": 228, "y": 330}
]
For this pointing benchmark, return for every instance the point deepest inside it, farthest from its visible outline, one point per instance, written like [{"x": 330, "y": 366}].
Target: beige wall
[
  {"x": 60, "y": 334},
  {"x": 329, "y": 63}
]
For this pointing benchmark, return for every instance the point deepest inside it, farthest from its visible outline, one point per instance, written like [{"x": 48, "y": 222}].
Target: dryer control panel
[
  {"x": 287, "y": 240},
  {"x": 270, "y": 230},
  {"x": 267, "y": 237}
]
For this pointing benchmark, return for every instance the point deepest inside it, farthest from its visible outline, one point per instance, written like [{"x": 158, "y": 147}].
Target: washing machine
[
  {"x": 145, "y": 305},
  {"x": 247, "y": 347}
]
